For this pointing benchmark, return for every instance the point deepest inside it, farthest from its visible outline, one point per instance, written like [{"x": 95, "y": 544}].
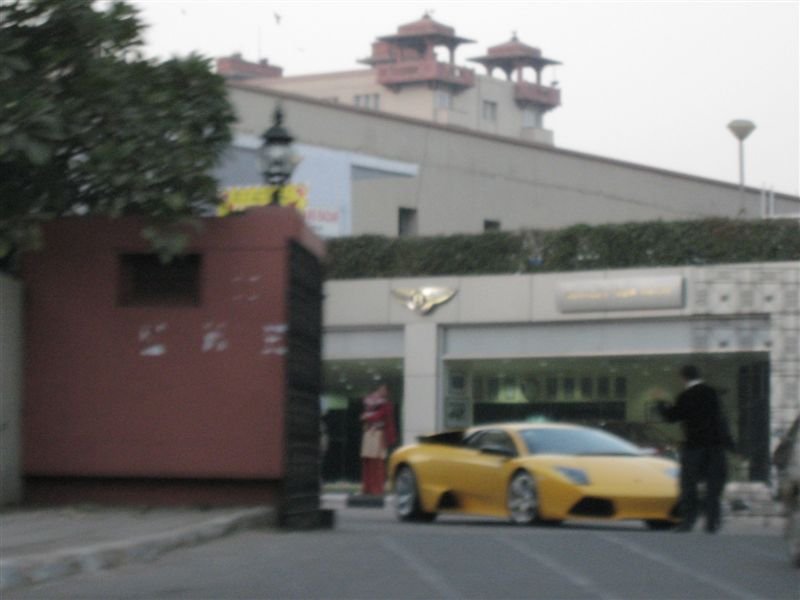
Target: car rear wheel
[
  {"x": 407, "y": 504},
  {"x": 523, "y": 499}
]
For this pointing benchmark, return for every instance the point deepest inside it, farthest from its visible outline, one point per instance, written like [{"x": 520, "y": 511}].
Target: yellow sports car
[{"x": 533, "y": 472}]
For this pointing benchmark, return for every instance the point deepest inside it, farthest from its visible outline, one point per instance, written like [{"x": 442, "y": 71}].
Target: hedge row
[{"x": 580, "y": 247}]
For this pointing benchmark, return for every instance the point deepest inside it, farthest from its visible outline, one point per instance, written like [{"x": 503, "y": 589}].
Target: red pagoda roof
[
  {"x": 514, "y": 48},
  {"x": 426, "y": 29},
  {"x": 512, "y": 54}
]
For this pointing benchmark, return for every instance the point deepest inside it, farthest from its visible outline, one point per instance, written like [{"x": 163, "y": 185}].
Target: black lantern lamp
[{"x": 277, "y": 157}]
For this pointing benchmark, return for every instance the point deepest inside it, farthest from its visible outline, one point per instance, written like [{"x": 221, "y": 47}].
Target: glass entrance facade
[
  {"x": 618, "y": 393},
  {"x": 345, "y": 383}
]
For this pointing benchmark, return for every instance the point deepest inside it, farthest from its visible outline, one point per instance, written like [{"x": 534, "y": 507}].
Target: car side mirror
[{"x": 497, "y": 450}]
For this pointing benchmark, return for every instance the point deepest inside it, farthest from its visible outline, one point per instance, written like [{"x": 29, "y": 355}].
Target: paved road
[{"x": 371, "y": 556}]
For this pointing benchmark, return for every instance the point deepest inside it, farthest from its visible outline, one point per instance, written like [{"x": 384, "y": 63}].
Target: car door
[{"x": 479, "y": 476}]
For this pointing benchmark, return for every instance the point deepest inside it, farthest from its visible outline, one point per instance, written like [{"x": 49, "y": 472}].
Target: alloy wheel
[
  {"x": 523, "y": 499},
  {"x": 405, "y": 488}
]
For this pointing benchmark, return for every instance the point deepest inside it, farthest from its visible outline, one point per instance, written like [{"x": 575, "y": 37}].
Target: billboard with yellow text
[{"x": 235, "y": 199}]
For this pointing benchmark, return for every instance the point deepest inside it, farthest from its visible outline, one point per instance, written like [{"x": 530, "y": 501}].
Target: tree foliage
[{"x": 90, "y": 127}]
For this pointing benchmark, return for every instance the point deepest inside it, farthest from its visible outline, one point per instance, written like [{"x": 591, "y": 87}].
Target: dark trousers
[{"x": 702, "y": 464}]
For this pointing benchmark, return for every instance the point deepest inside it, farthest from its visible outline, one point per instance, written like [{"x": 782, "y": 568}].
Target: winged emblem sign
[{"x": 424, "y": 299}]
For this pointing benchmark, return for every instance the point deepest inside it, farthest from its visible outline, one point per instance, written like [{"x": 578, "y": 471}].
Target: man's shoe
[{"x": 683, "y": 528}]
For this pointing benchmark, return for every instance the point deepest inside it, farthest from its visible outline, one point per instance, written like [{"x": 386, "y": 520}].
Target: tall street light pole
[
  {"x": 741, "y": 128},
  {"x": 277, "y": 157}
]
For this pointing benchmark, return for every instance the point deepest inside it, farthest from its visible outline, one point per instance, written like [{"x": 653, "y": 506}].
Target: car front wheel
[
  {"x": 407, "y": 504},
  {"x": 523, "y": 499}
]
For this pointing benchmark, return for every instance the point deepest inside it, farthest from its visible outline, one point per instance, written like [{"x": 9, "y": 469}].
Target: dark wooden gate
[{"x": 300, "y": 504}]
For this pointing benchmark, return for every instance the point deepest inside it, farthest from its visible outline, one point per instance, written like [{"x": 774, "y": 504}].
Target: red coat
[{"x": 383, "y": 415}]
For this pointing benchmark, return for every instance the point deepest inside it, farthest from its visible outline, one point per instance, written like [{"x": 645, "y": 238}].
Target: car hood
[{"x": 611, "y": 470}]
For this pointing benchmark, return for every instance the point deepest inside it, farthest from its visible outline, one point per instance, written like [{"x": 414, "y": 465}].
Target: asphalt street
[{"x": 369, "y": 555}]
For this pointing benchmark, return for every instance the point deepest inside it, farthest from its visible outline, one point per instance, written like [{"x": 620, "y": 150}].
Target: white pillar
[{"x": 421, "y": 382}]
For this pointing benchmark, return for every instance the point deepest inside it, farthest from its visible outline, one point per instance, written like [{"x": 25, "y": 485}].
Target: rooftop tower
[{"x": 408, "y": 57}]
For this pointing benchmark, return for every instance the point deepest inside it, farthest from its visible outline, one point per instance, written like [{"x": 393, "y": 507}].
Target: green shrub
[{"x": 580, "y": 247}]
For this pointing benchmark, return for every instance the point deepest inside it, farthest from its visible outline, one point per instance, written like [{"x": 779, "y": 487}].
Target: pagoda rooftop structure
[
  {"x": 425, "y": 34},
  {"x": 513, "y": 57},
  {"x": 408, "y": 56}
]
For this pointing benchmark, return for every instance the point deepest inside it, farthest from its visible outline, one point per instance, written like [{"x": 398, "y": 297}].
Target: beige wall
[
  {"x": 419, "y": 101},
  {"x": 11, "y": 348},
  {"x": 341, "y": 86},
  {"x": 468, "y": 108},
  {"x": 466, "y": 177},
  {"x": 376, "y": 203}
]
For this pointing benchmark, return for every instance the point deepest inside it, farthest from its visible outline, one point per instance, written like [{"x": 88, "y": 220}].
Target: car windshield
[{"x": 577, "y": 442}]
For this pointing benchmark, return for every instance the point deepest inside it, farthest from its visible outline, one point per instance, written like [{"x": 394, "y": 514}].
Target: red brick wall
[{"x": 191, "y": 392}]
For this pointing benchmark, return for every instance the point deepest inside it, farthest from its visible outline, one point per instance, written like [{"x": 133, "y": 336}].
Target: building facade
[
  {"x": 413, "y": 73},
  {"x": 390, "y": 150},
  {"x": 371, "y": 172},
  {"x": 599, "y": 347}
]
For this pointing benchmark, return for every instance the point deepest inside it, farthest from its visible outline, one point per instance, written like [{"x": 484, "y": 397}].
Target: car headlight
[{"x": 576, "y": 476}]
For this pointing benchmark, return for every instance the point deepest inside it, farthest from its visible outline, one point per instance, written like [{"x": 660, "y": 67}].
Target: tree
[{"x": 89, "y": 127}]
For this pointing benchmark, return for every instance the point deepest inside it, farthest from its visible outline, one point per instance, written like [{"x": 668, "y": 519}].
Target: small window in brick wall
[{"x": 146, "y": 281}]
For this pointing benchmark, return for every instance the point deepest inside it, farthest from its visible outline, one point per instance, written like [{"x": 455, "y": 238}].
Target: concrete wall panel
[
  {"x": 357, "y": 302},
  {"x": 498, "y": 299}
]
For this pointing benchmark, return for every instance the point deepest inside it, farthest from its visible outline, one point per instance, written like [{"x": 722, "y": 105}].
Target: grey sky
[{"x": 654, "y": 83}]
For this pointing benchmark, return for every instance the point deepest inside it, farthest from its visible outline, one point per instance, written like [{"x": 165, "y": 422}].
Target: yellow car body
[{"x": 452, "y": 472}]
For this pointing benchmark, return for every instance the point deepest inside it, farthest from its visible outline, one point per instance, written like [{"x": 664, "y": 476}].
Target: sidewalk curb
[{"x": 37, "y": 568}]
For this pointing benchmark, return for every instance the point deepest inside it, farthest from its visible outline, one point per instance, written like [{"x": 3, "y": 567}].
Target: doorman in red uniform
[{"x": 379, "y": 434}]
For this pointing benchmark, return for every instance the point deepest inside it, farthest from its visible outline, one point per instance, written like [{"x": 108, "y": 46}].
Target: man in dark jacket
[{"x": 706, "y": 438}]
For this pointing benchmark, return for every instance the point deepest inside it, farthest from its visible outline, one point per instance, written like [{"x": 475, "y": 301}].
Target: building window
[
  {"x": 586, "y": 387},
  {"x": 569, "y": 388},
  {"x": 458, "y": 383},
  {"x": 371, "y": 101},
  {"x": 603, "y": 387},
  {"x": 551, "y": 388},
  {"x": 489, "y": 110},
  {"x": 406, "y": 222},
  {"x": 489, "y": 225},
  {"x": 443, "y": 99},
  {"x": 620, "y": 387},
  {"x": 492, "y": 388},
  {"x": 530, "y": 389},
  {"x": 477, "y": 388},
  {"x": 146, "y": 281},
  {"x": 531, "y": 117}
]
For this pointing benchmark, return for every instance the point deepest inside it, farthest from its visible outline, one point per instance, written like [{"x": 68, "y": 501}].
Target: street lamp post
[
  {"x": 741, "y": 128},
  {"x": 277, "y": 157}
]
